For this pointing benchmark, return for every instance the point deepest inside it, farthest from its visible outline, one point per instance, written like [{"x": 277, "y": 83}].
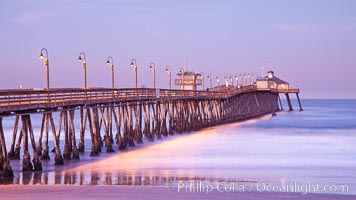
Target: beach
[
  {"x": 127, "y": 192},
  {"x": 310, "y": 153}
]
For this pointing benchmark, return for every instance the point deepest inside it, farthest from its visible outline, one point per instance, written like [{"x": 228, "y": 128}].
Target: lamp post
[
  {"x": 134, "y": 65},
  {"x": 237, "y": 80},
  {"x": 232, "y": 80},
  {"x": 226, "y": 78},
  {"x": 182, "y": 78},
  {"x": 251, "y": 79},
  {"x": 218, "y": 80},
  {"x": 110, "y": 62},
  {"x": 168, "y": 70},
  {"x": 202, "y": 79},
  {"x": 46, "y": 65},
  {"x": 245, "y": 76},
  {"x": 194, "y": 82},
  {"x": 153, "y": 68},
  {"x": 84, "y": 64},
  {"x": 241, "y": 80},
  {"x": 210, "y": 80}
]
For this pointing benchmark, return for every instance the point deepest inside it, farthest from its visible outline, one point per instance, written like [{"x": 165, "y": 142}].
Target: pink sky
[{"x": 310, "y": 42}]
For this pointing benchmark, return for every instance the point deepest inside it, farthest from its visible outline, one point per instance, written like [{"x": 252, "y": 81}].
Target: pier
[{"x": 122, "y": 116}]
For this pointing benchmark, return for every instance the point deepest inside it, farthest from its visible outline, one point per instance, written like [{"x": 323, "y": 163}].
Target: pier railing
[{"x": 20, "y": 99}]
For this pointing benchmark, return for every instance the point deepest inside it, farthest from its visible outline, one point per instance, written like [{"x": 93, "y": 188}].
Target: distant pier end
[{"x": 275, "y": 84}]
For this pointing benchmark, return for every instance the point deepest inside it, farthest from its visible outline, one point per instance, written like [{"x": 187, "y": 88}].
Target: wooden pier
[{"x": 123, "y": 116}]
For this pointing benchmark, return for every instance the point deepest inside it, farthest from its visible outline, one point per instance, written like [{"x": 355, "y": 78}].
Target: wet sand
[
  {"x": 17, "y": 192},
  {"x": 153, "y": 170}
]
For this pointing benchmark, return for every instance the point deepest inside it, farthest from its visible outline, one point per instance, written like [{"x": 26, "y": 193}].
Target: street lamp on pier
[
  {"x": 182, "y": 74},
  {"x": 226, "y": 78},
  {"x": 218, "y": 80},
  {"x": 210, "y": 80},
  {"x": 202, "y": 79},
  {"x": 153, "y": 68},
  {"x": 169, "y": 72},
  {"x": 232, "y": 80},
  {"x": 84, "y": 64},
  {"x": 110, "y": 62},
  {"x": 134, "y": 65},
  {"x": 245, "y": 77},
  {"x": 237, "y": 80},
  {"x": 46, "y": 65}
]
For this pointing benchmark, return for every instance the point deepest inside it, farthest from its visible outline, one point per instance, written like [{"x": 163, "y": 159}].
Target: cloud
[
  {"x": 153, "y": 29},
  {"x": 32, "y": 12},
  {"x": 31, "y": 17},
  {"x": 307, "y": 29},
  {"x": 295, "y": 28}
]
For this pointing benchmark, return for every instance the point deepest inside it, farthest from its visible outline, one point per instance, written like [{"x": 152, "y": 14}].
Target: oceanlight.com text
[{"x": 298, "y": 187}]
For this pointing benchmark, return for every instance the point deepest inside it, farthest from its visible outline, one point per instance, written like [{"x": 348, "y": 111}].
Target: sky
[{"x": 310, "y": 42}]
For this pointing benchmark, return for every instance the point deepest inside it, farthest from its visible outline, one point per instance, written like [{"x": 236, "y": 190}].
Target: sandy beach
[{"x": 16, "y": 192}]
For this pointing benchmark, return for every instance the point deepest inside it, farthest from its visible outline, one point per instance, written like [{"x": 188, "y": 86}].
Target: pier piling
[{"x": 300, "y": 105}]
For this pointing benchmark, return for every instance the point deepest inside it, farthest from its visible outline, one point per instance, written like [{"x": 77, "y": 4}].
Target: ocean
[{"x": 309, "y": 151}]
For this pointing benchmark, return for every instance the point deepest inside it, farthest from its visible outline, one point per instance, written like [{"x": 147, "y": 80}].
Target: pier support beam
[
  {"x": 37, "y": 165},
  {"x": 45, "y": 154},
  {"x": 67, "y": 149},
  {"x": 300, "y": 104},
  {"x": 138, "y": 130},
  {"x": 280, "y": 102},
  {"x": 11, "y": 154},
  {"x": 147, "y": 127},
  {"x": 124, "y": 137},
  {"x": 164, "y": 119},
  {"x": 117, "y": 120},
  {"x": 18, "y": 148},
  {"x": 129, "y": 128},
  {"x": 83, "y": 122},
  {"x": 5, "y": 163},
  {"x": 93, "y": 131},
  {"x": 170, "y": 114},
  {"x": 289, "y": 102},
  {"x": 26, "y": 159},
  {"x": 39, "y": 144},
  {"x": 96, "y": 123},
  {"x": 58, "y": 160},
  {"x": 157, "y": 120},
  {"x": 106, "y": 128},
  {"x": 72, "y": 136}
]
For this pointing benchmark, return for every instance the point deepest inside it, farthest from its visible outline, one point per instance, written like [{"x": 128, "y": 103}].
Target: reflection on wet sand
[{"x": 107, "y": 178}]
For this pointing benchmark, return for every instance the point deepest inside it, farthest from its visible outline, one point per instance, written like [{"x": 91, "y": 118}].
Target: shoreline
[{"x": 63, "y": 192}]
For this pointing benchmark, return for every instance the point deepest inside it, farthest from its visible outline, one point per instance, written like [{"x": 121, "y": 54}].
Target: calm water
[{"x": 317, "y": 146}]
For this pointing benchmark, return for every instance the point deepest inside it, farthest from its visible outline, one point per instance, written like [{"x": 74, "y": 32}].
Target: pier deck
[{"x": 38, "y": 100}]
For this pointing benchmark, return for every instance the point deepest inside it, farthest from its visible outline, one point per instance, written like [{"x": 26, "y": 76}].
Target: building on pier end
[
  {"x": 188, "y": 80},
  {"x": 271, "y": 81}
]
